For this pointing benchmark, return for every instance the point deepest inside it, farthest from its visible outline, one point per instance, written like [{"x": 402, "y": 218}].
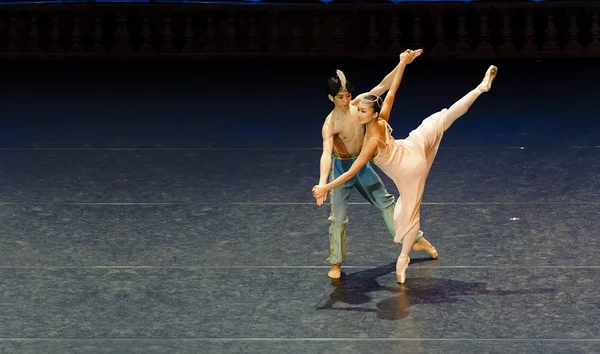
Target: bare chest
[{"x": 350, "y": 133}]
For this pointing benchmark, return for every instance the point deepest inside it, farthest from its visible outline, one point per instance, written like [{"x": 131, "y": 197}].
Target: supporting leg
[
  {"x": 403, "y": 259},
  {"x": 371, "y": 187},
  {"x": 338, "y": 219}
]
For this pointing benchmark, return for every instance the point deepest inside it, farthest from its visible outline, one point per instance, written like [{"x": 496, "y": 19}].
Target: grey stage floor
[{"x": 166, "y": 239}]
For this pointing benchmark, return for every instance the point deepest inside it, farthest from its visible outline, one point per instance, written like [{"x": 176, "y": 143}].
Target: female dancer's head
[
  {"x": 369, "y": 108},
  {"x": 340, "y": 90}
]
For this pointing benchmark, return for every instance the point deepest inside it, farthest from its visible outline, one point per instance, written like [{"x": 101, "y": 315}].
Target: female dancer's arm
[
  {"x": 367, "y": 152},
  {"x": 385, "y": 84},
  {"x": 405, "y": 58}
]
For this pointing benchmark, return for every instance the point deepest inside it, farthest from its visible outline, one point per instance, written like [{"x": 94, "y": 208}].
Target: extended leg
[
  {"x": 429, "y": 133},
  {"x": 460, "y": 107}
]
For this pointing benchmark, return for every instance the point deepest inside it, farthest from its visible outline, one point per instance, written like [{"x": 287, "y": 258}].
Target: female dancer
[{"x": 408, "y": 161}]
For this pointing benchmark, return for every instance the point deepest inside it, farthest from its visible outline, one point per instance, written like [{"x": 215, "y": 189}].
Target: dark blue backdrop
[{"x": 283, "y": 103}]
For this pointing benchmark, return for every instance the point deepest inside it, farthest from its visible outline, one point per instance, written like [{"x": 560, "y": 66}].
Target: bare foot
[
  {"x": 335, "y": 272},
  {"x": 490, "y": 75},
  {"x": 424, "y": 245}
]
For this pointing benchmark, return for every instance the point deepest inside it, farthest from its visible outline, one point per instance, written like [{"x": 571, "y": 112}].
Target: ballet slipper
[
  {"x": 490, "y": 75},
  {"x": 335, "y": 272},
  {"x": 401, "y": 267},
  {"x": 424, "y": 245}
]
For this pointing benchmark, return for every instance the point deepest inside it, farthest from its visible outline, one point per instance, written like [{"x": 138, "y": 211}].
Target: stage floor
[{"x": 169, "y": 210}]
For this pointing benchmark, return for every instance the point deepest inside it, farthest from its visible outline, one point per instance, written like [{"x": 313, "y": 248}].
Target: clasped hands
[{"x": 320, "y": 194}]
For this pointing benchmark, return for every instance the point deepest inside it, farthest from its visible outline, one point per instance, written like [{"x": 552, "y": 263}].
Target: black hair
[
  {"x": 334, "y": 86},
  {"x": 375, "y": 101}
]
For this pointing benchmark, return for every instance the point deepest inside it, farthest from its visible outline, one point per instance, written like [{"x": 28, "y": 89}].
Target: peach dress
[{"x": 408, "y": 162}]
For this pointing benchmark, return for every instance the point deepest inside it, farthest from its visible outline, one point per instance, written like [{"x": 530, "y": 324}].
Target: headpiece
[{"x": 343, "y": 81}]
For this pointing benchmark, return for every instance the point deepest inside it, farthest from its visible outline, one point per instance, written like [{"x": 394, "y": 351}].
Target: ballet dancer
[{"x": 407, "y": 161}]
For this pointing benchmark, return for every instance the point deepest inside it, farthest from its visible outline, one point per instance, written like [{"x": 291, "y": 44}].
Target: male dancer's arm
[
  {"x": 385, "y": 84},
  {"x": 325, "y": 168}
]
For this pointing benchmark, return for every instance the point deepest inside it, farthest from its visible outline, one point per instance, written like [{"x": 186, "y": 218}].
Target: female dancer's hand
[
  {"x": 409, "y": 55},
  {"x": 319, "y": 192},
  {"x": 321, "y": 200}
]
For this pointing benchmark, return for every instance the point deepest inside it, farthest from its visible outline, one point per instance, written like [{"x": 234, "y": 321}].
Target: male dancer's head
[{"x": 340, "y": 90}]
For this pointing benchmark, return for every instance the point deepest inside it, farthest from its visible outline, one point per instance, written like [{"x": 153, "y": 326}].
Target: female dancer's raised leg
[
  {"x": 457, "y": 110},
  {"x": 460, "y": 107}
]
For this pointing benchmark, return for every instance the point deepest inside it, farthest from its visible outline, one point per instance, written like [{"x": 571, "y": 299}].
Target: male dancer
[{"x": 342, "y": 137}]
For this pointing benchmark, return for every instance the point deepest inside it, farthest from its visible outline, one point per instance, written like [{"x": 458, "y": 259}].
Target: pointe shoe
[
  {"x": 490, "y": 75},
  {"x": 401, "y": 267},
  {"x": 335, "y": 272},
  {"x": 424, "y": 245}
]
